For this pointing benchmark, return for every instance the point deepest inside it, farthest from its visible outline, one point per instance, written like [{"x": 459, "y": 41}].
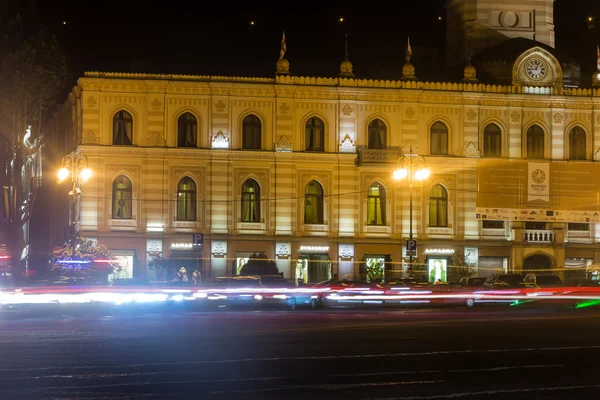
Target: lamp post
[
  {"x": 411, "y": 167},
  {"x": 74, "y": 166}
]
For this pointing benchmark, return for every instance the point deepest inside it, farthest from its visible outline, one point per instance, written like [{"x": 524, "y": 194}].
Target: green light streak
[
  {"x": 588, "y": 303},
  {"x": 519, "y": 302}
]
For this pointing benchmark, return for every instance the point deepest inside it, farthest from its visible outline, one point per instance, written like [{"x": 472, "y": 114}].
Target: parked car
[
  {"x": 504, "y": 281},
  {"x": 543, "y": 280},
  {"x": 472, "y": 282}
]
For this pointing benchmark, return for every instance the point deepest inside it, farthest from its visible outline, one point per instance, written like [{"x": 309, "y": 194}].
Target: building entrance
[{"x": 537, "y": 263}]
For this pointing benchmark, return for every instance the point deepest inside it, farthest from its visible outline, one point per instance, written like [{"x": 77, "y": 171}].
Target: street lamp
[
  {"x": 412, "y": 167},
  {"x": 76, "y": 167}
]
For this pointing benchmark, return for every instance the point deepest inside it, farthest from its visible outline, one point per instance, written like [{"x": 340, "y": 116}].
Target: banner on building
[{"x": 538, "y": 191}]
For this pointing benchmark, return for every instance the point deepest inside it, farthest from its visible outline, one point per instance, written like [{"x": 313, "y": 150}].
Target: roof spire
[
  {"x": 283, "y": 65},
  {"x": 596, "y": 75},
  {"x": 470, "y": 72},
  {"x": 408, "y": 70},
  {"x": 346, "y": 65}
]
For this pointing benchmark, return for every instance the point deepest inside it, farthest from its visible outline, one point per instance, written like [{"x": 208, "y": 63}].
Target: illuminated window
[
  {"x": 186, "y": 200},
  {"x": 122, "y": 128},
  {"x": 313, "y": 203},
  {"x": 577, "y": 145},
  {"x": 579, "y": 226},
  {"x": 376, "y": 200},
  {"x": 250, "y": 201},
  {"x": 377, "y": 134},
  {"x": 121, "y": 198},
  {"x": 535, "y": 142},
  {"x": 439, "y": 139},
  {"x": 251, "y": 133},
  {"x": 492, "y": 141},
  {"x": 315, "y": 134},
  {"x": 438, "y": 206},
  {"x": 187, "y": 130}
]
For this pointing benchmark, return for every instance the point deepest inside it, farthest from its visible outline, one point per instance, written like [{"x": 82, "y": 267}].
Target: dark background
[{"x": 216, "y": 38}]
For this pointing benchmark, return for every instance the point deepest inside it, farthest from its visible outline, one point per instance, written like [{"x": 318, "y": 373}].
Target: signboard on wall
[{"x": 538, "y": 191}]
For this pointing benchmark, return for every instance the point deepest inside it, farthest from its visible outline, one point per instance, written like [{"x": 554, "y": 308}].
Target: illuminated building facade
[{"x": 300, "y": 168}]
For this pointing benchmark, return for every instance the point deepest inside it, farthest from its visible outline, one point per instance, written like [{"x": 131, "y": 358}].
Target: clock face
[{"x": 536, "y": 69}]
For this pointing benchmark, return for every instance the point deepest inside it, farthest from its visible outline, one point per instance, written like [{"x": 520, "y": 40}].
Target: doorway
[{"x": 538, "y": 263}]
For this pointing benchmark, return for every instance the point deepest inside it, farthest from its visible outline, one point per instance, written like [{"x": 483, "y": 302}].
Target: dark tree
[{"x": 32, "y": 71}]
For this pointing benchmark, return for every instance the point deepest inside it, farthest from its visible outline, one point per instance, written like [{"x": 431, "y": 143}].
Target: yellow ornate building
[{"x": 300, "y": 168}]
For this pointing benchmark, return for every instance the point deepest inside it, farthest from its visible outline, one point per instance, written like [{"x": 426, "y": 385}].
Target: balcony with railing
[{"x": 539, "y": 236}]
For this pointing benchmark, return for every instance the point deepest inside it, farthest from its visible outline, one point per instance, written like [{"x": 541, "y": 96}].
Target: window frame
[
  {"x": 312, "y": 199},
  {"x": 119, "y": 120},
  {"x": 193, "y": 194},
  {"x": 498, "y": 140},
  {"x": 440, "y": 205},
  {"x": 251, "y": 132},
  {"x": 123, "y": 196},
  {"x": 184, "y": 122},
  {"x": 379, "y": 130},
  {"x": 436, "y": 138},
  {"x": 380, "y": 202},
  {"x": 577, "y": 131},
  {"x": 537, "y": 134},
  {"x": 310, "y": 128},
  {"x": 250, "y": 201}
]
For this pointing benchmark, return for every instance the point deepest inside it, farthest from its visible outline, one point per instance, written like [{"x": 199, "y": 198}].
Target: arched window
[
  {"x": 250, "y": 201},
  {"x": 313, "y": 203},
  {"x": 122, "y": 128},
  {"x": 438, "y": 206},
  {"x": 376, "y": 200},
  {"x": 315, "y": 134},
  {"x": 187, "y": 130},
  {"x": 492, "y": 141},
  {"x": 121, "y": 198},
  {"x": 251, "y": 133},
  {"x": 577, "y": 145},
  {"x": 439, "y": 139},
  {"x": 535, "y": 142},
  {"x": 186, "y": 199},
  {"x": 377, "y": 134}
]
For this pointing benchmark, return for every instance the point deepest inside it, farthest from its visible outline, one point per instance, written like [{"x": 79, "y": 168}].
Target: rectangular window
[
  {"x": 535, "y": 225},
  {"x": 439, "y": 143},
  {"x": 579, "y": 227},
  {"x": 375, "y": 211},
  {"x": 492, "y": 224}
]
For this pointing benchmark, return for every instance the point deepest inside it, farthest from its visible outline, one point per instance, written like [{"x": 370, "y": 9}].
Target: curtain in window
[
  {"x": 577, "y": 145},
  {"x": 376, "y": 200},
  {"x": 438, "y": 206},
  {"x": 251, "y": 133},
  {"x": 122, "y": 128},
  {"x": 250, "y": 201},
  {"x": 315, "y": 135},
  {"x": 186, "y": 199},
  {"x": 313, "y": 203},
  {"x": 377, "y": 134},
  {"x": 187, "y": 130},
  {"x": 439, "y": 139},
  {"x": 121, "y": 198},
  {"x": 535, "y": 142},
  {"x": 492, "y": 141}
]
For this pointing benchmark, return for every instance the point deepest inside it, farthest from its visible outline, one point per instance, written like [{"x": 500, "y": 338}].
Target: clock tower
[{"x": 486, "y": 23}]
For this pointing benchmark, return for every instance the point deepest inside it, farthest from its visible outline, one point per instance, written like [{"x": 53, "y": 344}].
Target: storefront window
[
  {"x": 437, "y": 269},
  {"x": 314, "y": 268},
  {"x": 375, "y": 269}
]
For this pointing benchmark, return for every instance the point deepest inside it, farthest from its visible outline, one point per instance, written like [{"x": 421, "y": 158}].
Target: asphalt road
[{"x": 490, "y": 353}]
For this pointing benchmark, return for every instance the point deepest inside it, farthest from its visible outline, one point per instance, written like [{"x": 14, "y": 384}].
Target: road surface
[{"x": 491, "y": 353}]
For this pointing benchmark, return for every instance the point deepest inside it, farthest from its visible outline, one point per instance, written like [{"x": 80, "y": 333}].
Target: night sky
[{"x": 217, "y": 37}]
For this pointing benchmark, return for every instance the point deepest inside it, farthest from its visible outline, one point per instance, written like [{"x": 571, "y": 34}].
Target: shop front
[
  {"x": 243, "y": 251},
  {"x": 376, "y": 262},
  {"x": 576, "y": 263},
  {"x": 438, "y": 265},
  {"x": 185, "y": 260},
  {"x": 493, "y": 260},
  {"x": 313, "y": 264}
]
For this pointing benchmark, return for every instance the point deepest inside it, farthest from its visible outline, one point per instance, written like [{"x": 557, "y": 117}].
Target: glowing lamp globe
[{"x": 63, "y": 174}]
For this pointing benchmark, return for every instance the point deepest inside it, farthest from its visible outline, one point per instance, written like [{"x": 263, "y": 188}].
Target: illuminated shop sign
[
  {"x": 314, "y": 248},
  {"x": 181, "y": 246},
  {"x": 439, "y": 251}
]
